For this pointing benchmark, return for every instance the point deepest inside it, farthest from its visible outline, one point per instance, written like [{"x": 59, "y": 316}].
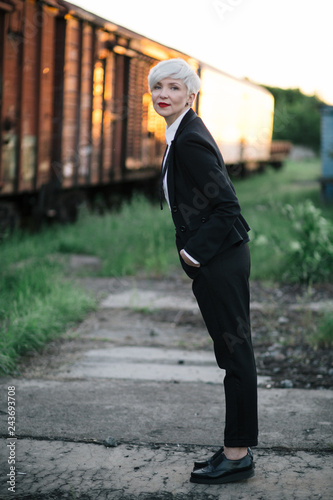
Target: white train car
[{"x": 240, "y": 115}]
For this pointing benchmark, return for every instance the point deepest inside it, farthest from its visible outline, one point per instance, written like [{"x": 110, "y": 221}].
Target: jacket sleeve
[{"x": 214, "y": 208}]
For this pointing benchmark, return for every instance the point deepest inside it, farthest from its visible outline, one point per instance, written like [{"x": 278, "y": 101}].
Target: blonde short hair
[{"x": 178, "y": 69}]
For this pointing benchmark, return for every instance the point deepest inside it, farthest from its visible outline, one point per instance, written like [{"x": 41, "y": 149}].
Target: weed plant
[
  {"x": 323, "y": 337},
  {"x": 264, "y": 199},
  {"x": 309, "y": 256}
]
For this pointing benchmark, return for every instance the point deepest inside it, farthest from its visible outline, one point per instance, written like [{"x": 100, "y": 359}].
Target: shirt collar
[{"x": 170, "y": 132}]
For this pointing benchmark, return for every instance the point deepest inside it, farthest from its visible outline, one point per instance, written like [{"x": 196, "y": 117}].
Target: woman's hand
[{"x": 187, "y": 260}]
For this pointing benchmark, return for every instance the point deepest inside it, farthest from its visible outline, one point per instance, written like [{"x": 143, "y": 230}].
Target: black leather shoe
[
  {"x": 208, "y": 461},
  {"x": 204, "y": 463},
  {"x": 222, "y": 470}
]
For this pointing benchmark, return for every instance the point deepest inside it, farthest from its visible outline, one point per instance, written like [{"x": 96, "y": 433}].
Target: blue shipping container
[{"x": 327, "y": 152}]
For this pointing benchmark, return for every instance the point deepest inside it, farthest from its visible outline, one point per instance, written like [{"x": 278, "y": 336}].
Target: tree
[{"x": 296, "y": 117}]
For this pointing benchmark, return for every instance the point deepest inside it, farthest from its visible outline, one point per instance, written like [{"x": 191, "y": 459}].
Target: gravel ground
[{"x": 290, "y": 314}]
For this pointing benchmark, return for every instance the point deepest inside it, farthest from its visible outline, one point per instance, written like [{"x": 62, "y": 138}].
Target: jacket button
[
  {"x": 175, "y": 208},
  {"x": 203, "y": 219},
  {"x": 183, "y": 229}
]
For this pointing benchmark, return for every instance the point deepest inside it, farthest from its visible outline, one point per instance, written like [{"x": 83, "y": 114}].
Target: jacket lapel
[
  {"x": 191, "y": 115},
  {"x": 165, "y": 168}
]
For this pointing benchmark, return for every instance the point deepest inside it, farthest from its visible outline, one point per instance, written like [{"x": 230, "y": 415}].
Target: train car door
[
  {"x": 11, "y": 57},
  {"x": 97, "y": 128},
  {"x": 58, "y": 97},
  {"x": 121, "y": 114},
  {"x": 2, "y": 44}
]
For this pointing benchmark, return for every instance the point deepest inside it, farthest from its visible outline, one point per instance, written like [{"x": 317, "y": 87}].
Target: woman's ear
[{"x": 191, "y": 99}]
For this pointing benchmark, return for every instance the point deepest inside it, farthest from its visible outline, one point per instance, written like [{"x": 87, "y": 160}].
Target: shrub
[{"x": 309, "y": 257}]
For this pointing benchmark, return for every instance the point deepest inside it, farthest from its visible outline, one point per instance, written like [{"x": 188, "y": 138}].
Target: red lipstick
[{"x": 163, "y": 104}]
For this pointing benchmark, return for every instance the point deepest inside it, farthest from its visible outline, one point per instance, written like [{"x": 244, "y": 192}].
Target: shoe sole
[{"x": 238, "y": 476}]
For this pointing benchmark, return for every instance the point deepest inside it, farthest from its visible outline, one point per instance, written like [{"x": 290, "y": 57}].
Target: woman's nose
[{"x": 164, "y": 93}]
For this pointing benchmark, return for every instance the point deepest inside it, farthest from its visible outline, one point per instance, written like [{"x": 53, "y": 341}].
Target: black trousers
[{"x": 221, "y": 289}]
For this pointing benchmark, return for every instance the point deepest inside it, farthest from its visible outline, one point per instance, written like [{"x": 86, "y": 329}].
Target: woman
[{"x": 212, "y": 241}]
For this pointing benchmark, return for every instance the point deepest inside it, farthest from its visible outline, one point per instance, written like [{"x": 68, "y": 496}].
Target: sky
[{"x": 281, "y": 43}]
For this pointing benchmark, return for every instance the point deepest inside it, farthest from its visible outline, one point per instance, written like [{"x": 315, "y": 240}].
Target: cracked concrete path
[
  {"x": 124, "y": 417},
  {"x": 70, "y": 470}
]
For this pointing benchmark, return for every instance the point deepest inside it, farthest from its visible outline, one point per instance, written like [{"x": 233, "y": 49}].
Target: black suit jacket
[{"x": 204, "y": 206}]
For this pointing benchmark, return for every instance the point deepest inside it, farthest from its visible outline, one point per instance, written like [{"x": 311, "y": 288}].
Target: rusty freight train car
[{"x": 76, "y": 114}]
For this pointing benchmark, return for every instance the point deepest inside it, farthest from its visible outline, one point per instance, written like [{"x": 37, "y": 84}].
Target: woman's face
[{"x": 170, "y": 97}]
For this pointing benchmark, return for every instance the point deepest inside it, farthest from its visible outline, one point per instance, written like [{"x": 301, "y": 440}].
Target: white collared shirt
[{"x": 170, "y": 133}]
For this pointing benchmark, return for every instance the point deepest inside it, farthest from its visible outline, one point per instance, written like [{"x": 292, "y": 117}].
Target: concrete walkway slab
[
  {"x": 146, "y": 299},
  {"x": 147, "y": 363},
  {"x": 164, "y": 412},
  {"x": 150, "y": 363}
]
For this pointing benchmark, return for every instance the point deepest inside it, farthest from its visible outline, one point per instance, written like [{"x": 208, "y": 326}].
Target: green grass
[
  {"x": 37, "y": 304},
  {"x": 295, "y": 181},
  {"x": 140, "y": 238},
  {"x": 38, "y": 301}
]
